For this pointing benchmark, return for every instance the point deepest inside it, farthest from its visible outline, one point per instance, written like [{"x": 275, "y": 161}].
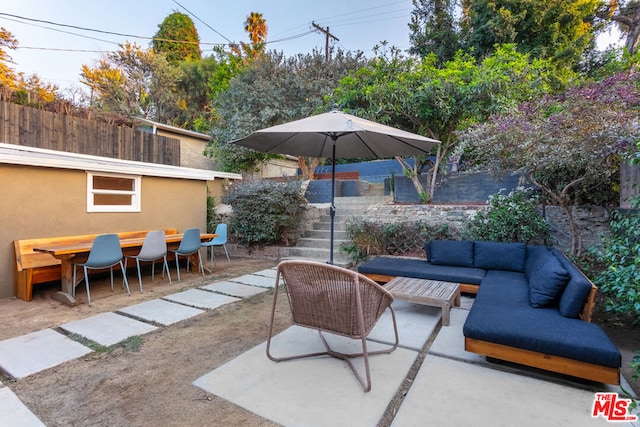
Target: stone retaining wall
[{"x": 592, "y": 220}]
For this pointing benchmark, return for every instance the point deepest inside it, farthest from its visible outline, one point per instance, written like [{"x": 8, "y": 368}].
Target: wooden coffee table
[{"x": 433, "y": 293}]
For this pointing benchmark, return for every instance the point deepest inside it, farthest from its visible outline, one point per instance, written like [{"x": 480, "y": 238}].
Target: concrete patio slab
[
  {"x": 200, "y": 299},
  {"x": 415, "y": 322},
  {"x": 108, "y": 328},
  {"x": 160, "y": 311},
  {"x": 451, "y": 393},
  {"x": 450, "y": 340},
  {"x": 234, "y": 289},
  {"x": 311, "y": 392},
  {"x": 253, "y": 280},
  {"x": 25, "y": 355},
  {"x": 14, "y": 413}
]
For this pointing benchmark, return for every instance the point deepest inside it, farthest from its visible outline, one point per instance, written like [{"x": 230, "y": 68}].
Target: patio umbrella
[{"x": 337, "y": 135}]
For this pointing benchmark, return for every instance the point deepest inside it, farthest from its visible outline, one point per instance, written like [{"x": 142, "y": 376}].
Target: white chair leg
[
  {"x": 139, "y": 275},
  {"x": 124, "y": 277},
  {"x": 226, "y": 253},
  {"x": 201, "y": 266},
  {"x": 86, "y": 281},
  {"x": 178, "y": 267},
  {"x": 165, "y": 265}
]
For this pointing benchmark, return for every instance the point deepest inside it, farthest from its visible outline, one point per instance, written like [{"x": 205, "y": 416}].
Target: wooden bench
[
  {"x": 33, "y": 267},
  {"x": 345, "y": 176}
]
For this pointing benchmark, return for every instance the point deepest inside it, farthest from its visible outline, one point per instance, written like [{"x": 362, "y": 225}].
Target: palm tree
[{"x": 256, "y": 26}]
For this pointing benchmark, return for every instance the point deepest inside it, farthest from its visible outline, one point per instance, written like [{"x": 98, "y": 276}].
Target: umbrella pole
[{"x": 332, "y": 208}]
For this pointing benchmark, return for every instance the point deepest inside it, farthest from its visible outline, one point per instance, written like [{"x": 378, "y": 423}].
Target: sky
[{"x": 56, "y": 53}]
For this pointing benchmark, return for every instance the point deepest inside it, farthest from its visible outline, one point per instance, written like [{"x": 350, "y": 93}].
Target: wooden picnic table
[{"x": 75, "y": 253}]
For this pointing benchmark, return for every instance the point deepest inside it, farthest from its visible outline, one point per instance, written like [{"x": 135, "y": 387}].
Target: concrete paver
[
  {"x": 200, "y": 299},
  {"x": 108, "y": 328},
  {"x": 318, "y": 391},
  {"x": 14, "y": 413},
  {"x": 269, "y": 272},
  {"x": 234, "y": 289},
  {"x": 415, "y": 322},
  {"x": 160, "y": 311},
  {"x": 254, "y": 280},
  {"x": 27, "y": 354}
]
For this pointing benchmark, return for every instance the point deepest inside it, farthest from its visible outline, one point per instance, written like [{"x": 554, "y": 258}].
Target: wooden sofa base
[{"x": 562, "y": 365}]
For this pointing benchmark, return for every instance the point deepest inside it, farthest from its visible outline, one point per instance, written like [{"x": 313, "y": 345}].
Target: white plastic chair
[
  {"x": 190, "y": 244},
  {"x": 105, "y": 252},
  {"x": 153, "y": 248},
  {"x": 221, "y": 240}
]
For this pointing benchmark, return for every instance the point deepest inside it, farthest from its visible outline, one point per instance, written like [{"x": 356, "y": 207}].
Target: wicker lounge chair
[{"x": 336, "y": 300}]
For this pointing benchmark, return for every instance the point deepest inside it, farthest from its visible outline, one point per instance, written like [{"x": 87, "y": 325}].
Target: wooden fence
[{"x": 42, "y": 129}]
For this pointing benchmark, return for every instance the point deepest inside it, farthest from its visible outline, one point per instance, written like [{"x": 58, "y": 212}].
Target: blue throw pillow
[
  {"x": 547, "y": 279},
  {"x": 499, "y": 255},
  {"x": 427, "y": 250},
  {"x": 452, "y": 252},
  {"x": 576, "y": 292}
]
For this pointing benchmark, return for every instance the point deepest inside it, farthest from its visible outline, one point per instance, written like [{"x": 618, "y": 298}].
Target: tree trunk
[{"x": 411, "y": 173}]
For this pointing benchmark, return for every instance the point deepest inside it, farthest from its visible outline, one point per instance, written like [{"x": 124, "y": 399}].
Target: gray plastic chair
[
  {"x": 153, "y": 248},
  {"x": 189, "y": 245},
  {"x": 105, "y": 252},
  {"x": 221, "y": 240}
]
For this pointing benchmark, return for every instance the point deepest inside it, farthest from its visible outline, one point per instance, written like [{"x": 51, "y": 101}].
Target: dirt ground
[{"x": 151, "y": 384}]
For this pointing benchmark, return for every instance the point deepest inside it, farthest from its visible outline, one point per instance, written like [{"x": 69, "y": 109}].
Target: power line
[
  {"x": 209, "y": 26},
  {"x": 96, "y": 31}
]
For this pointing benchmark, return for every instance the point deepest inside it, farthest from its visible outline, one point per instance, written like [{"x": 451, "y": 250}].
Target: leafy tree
[
  {"x": 7, "y": 74},
  {"x": 512, "y": 217},
  {"x": 273, "y": 89},
  {"x": 436, "y": 100},
  {"x": 619, "y": 281},
  {"x": 569, "y": 145},
  {"x": 264, "y": 212},
  {"x": 434, "y": 29},
  {"x": 135, "y": 83},
  {"x": 177, "y": 38},
  {"x": 560, "y": 30}
]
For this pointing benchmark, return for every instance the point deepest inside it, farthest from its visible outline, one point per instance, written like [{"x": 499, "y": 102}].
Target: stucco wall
[
  {"x": 191, "y": 151},
  {"x": 47, "y": 202}
]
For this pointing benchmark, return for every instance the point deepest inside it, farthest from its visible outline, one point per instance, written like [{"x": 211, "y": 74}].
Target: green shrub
[
  {"x": 619, "y": 278},
  {"x": 510, "y": 217},
  {"x": 264, "y": 212},
  {"x": 376, "y": 238}
]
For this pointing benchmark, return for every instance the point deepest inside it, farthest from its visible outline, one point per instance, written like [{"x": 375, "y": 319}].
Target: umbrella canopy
[
  {"x": 337, "y": 135},
  {"x": 351, "y": 136}
]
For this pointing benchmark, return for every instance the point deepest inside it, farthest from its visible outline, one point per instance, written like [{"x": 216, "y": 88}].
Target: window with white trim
[{"x": 113, "y": 193}]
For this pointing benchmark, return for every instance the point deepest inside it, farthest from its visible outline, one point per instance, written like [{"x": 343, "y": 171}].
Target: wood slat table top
[
  {"x": 67, "y": 249},
  {"x": 423, "y": 291}
]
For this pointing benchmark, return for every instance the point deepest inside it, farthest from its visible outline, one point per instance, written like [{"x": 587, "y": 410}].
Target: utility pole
[{"x": 327, "y": 34}]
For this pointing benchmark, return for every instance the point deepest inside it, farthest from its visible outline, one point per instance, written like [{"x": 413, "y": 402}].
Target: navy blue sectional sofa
[{"x": 533, "y": 306}]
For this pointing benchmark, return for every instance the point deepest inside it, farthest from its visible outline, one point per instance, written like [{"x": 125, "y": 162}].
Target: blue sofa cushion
[
  {"x": 421, "y": 269},
  {"x": 541, "y": 330},
  {"x": 576, "y": 292},
  {"x": 452, "y": 252},
  {"x": 504, "y": 288},
  {"x": 547, "y": 279},
  {"x": 499, "y": 255}
]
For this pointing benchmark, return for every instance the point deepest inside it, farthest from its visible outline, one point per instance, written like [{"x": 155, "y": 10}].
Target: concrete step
[
  {"x": 310, "y": 242},
  {"x": 326, "y": 225},
  {"x": 325, "y": 234},
  {"x": 318, "y": 254}
]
